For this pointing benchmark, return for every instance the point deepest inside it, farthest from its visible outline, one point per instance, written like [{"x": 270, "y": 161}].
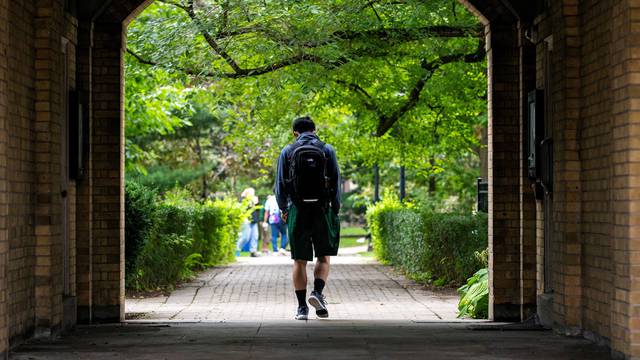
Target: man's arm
[
  {"x": 281, "y": 185},
  {"x": 334, "y": 177}
]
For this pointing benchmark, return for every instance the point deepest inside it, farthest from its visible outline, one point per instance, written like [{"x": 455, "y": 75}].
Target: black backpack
[{"x": 308, "y": 174}]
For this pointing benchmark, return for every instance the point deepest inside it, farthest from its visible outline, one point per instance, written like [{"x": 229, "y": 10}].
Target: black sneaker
[
  {"x": 302, "y": 313},
  {"x": 316, "y": 299}
]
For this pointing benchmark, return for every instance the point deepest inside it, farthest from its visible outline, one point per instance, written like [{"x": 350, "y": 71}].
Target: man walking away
[{"x": 308, "y": 194}]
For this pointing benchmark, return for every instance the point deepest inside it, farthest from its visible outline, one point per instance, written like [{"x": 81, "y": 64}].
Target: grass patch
[
  {"x": 354, "y": 231},
  {"x": 346, "y": 242},
  {"x": 349, "y": 236}
]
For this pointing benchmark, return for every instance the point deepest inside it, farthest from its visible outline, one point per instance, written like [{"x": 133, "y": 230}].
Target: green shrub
[
  {"x": 474, "y": 296},
  {"x": 438, "y": 248},
  {"x": 140, "y": 207},
  {"x": 184, "y": 236},
  {"x": 375, "y": 217},
  {"x": 452, "y": 242}
]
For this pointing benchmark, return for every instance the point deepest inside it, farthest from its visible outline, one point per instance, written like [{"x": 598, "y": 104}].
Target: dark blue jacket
[{"x": 282, "y": 195}]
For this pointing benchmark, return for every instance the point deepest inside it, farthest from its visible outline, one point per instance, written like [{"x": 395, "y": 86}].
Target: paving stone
[{"x": 258, "y": 289}]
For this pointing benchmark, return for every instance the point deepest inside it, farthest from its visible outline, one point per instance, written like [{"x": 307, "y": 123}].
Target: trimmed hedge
[
  {"x": 438, "y": 248},
  {"x": 167, "y": 240}
]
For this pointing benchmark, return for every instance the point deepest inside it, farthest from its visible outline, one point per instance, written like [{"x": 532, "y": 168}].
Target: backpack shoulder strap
[
  {"x": 318, "y": 143},
  {"x": 292, "y": 149}
]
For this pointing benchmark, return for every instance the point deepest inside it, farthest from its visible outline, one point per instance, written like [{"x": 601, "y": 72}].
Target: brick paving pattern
[{"x": 259, "y": 289}]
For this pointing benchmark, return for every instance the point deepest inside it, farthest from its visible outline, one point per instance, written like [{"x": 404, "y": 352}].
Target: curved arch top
[{"x": 486, "y": 10}]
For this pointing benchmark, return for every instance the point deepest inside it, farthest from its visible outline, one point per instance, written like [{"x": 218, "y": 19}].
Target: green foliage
[
  {"x": 140, "y": 211},
  {"x": 474, "y": 296},
  {"x": 181, "y": 236},
  {"x": 353, "y": 206},
  {"x": 453, "y": 241},
  {"x": 376, "y": 215},
  {"x": 439, "y": 248},
  {"x": 196, "y": 121}
]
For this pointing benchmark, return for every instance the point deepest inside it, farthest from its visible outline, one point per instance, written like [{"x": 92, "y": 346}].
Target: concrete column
[{"x": 107, "y": 158}]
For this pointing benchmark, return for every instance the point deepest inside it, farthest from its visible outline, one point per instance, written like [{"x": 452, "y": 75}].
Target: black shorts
[{"x": 313, "y": 230}]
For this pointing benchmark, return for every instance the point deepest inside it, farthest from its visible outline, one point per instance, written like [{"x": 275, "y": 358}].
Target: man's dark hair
[{"x": 303, "y": 124}]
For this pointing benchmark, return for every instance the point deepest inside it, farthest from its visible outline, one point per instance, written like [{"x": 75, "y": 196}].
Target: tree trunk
[
  {"x": 205, "y": 184},
  {"x": 376, "y": 183},
  {"x": 432, "y": 184},
  {"x": 402, "y": 184}
]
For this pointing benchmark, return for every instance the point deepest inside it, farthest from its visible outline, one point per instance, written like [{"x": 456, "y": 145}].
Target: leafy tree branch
[
  {"x": 244, "y": 73},
  {"x": 385, "y": 123},
  {"x": 211, "y": 40}
]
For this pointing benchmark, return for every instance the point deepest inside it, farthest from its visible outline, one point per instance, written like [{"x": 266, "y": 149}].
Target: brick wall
[
  {"x": 21, "y": 178},
  {"x": 4, "y": 201},
  {"x": 564, "y": 102},
  {"x": 84, "y": 209},
  {"x": 527, "y": 202},
  {"x": 592, "y": 114},
  {"x": 31, "y": 109},
  {"x": 595, "y": 124},
  {"x": 108, "y": 173},
  {"x": 595, "y": 129},
  {"x": 504, "y": 171},
  {"x": 625, "y": 186}
]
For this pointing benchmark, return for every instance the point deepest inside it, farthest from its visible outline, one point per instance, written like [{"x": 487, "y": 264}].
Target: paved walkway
[
  {"x": 244, "y": 311},
  {"x": 313, "y": 340},
  {"x": 259, "y": 289}
]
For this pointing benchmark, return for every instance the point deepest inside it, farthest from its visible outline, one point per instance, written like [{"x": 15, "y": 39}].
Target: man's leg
[
  {"x": 320, "y": 274},
  {"x": 301, "y": 252},
  {"x": 300, "y": 275},
  {"x": 321, "y": 270},
  {"x": 300, "y": 287}
]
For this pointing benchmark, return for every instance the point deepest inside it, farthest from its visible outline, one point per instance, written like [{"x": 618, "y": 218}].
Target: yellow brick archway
[{"x": 62, "y": 240}]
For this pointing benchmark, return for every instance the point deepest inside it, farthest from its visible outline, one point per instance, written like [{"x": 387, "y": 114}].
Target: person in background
[
  {"x": 278, "y": 226},
  {"x": 264, "y": 229},
  {"x": 249, "y": 231}
]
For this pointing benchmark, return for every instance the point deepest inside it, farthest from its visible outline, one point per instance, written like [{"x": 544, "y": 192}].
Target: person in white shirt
[{"x": 278, "y": 226}]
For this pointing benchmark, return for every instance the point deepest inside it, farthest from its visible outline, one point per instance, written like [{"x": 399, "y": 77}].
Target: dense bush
[
  {"x": 435, "y": 247},
  {"x": 180, "y": 236},
  {"x": 140, "y": 207}
]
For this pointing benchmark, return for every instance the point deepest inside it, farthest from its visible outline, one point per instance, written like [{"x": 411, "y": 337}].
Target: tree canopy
[{"x": 213, "y": 85}]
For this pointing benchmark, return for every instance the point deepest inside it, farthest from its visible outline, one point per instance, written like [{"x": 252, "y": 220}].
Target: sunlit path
[{"x": 259, "y": 289}]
